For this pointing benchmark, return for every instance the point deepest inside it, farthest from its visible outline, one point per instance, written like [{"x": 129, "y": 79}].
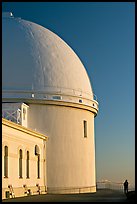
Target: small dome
[{"x": 34, "y": 59}]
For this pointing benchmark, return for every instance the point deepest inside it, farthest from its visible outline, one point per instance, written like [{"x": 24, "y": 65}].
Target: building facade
[
  {"x": 23, "y": 160},
  {"x": 47, "y": 76}
]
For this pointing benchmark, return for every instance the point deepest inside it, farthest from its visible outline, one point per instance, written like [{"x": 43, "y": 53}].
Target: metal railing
[
  {"x": 53, "y": 90},
  {"x": 12, "y": 115},
  {"x": 112, "y": 185}
]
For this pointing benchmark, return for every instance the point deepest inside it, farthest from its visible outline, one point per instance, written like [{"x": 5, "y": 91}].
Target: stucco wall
[
  {"x": 15, "y": 140},
  {"x": 70, "y": 156}
]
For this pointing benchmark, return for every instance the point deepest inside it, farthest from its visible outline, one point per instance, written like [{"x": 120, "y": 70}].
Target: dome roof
[{"x": 34, "y": 59}]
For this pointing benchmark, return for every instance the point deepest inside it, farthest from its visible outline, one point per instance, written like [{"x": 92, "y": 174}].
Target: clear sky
[{"x": 103, "y": 36}]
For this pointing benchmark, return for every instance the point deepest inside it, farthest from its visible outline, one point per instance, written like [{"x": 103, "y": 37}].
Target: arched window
[
  {"x": 20, "y": 163},
  {"x": 6, "y": 162},
  {"x": 37, "y": 153},
  {"x": 27, "y": 165}
]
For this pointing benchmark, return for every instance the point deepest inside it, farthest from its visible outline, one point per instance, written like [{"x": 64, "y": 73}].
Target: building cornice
[
  {"x": 23, "y": 129},
  {"x": 93, "y": 108}
]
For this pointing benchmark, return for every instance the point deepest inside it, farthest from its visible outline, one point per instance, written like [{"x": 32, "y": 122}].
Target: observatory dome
[
  {"x": 36, "y": 60},
  {"x": 46, "y": 89}
]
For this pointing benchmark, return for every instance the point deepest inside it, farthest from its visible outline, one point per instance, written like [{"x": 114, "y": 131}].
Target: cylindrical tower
[{"x": 41, "y": 70}]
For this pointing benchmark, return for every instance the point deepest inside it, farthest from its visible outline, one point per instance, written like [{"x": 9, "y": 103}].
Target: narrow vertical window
[
  {"x": 20, "y": 163},
  {"x": 27, "y": 165},
  {"x": 85, "y": 128},
  {"x": 38, "y": 166},
  {"x": 6, "y": 162},
  {"x": 37, "y": 153}
]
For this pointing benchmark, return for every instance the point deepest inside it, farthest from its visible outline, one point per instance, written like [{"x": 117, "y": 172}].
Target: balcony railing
[
  {"x": 112, "y": 185},
  {"x": 12, "y": 115}
]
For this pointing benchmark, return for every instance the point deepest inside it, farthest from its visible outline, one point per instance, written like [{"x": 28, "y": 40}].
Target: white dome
[{"x": 35, "y": 60}]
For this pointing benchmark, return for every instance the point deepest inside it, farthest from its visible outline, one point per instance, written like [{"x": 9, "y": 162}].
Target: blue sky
[{"x": 103, "y": 36}]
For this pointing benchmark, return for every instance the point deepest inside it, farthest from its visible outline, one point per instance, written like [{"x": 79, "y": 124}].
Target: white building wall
[
  {"x": 24, "y": 114},
  {"x": 70, "y": 156},
  {"x": 16, "y": 140},
  {"x": 50, "y": 67}
]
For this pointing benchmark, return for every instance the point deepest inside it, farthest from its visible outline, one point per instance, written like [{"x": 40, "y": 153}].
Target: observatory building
[{"x": 48, "y": 110}]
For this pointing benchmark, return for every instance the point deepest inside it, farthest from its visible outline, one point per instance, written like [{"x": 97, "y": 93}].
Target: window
[
  {"x": 85, "y": 128},
  {"x": 36, "y": 150},
  {"x": 80, "y": 101},
  {"x": 37, "y": 153},
  {"x": 6, "y": 162},
  {"x": 20, "y": 163},
  {"x": 27, "y": 165},
  {"x": 38, "y": 167},
  {"x": 57, "y": 97}
]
